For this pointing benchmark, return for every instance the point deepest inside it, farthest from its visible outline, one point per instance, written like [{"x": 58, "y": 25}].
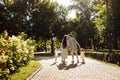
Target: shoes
[
  {"x": 77, "y": 61},
  {"x": 83, "y": 62},
  {"x": 72, "y": 62},
  {"x": 64, "y": 62}
]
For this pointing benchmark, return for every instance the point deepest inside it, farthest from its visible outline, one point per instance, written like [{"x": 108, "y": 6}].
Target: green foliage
[
  {"x": 42, "y": 18},
  {"x": 19, "y": 52},
  {"x": 5, "y": 74},
  {"x": 115, "y": 23},
  {"x": 84, "y": 27},
  {"x": 100, "y": 21},
  {"x": 102, "y": 56},
  {"x": 106, "y": 23},
  {"x": 57, "y": 44}
]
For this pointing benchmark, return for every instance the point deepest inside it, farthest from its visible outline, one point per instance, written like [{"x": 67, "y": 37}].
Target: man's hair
[{"x": 70, "y": 34}]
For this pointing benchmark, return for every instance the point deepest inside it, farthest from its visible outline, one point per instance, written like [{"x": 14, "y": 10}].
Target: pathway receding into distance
[{"x": 92, "y": 70}]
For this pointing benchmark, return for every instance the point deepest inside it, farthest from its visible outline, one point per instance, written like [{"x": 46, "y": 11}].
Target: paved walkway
[{"x": 92, "y": 70}]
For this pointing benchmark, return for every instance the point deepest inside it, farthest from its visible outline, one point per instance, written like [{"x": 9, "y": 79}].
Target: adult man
[{"x": 73, "y": 46}]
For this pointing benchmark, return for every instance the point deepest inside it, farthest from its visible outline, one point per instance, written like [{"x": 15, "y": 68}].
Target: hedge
[{"x": 107, "y": 57}]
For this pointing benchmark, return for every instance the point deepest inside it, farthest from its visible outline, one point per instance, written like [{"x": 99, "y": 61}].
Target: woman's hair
[{"x": 64, "y": 42}]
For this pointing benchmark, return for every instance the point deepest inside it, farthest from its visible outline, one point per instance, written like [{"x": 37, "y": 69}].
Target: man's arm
[{"x": 78, "y": 44}]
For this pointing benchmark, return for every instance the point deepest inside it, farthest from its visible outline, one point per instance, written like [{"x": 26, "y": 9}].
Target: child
[
  {"x": 82, "y": 55},
  {"x": 56, "y": 54}
]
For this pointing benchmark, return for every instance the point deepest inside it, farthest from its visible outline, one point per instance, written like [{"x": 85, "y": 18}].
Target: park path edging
[{"x": 33, "y": 74}]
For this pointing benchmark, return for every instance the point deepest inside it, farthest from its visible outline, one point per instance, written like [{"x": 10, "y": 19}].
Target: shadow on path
[
  {"x": 53, "y": 64},
  {"x": 62, "y": 66}
]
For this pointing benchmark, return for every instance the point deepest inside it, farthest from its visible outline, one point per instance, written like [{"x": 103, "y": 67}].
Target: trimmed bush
[
  {"x": 111, "y": 58},
  {"x": 15, "y": 52}
]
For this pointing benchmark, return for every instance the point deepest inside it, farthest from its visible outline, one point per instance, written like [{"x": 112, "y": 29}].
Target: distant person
[
  {"x": 82, "y": 55},
  {"x": 73, "y": 47},
  {"x": 64, "y": 49}
]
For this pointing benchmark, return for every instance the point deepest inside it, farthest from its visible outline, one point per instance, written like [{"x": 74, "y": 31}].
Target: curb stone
[{"x": 33, "y": 74}]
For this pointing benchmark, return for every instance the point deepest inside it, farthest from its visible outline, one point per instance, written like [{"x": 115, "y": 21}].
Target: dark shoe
[
  {"x": 83, "y": 62},
  {"x": 72, "y": 62},
  {"x": 62, "y": 61},
  {"x": 77, "y": 61}
]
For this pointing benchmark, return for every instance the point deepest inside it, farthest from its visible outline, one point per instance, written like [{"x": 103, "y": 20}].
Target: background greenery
[
  {"x": 97, "y": 22},
  {"x": 96, "y": 26}
]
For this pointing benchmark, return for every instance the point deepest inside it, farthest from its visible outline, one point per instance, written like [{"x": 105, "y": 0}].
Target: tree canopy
[{"x": 96, "y": 24}]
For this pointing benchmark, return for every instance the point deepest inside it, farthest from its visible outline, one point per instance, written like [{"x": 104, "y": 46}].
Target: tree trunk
[
  {"x": 108, "y": 28},
  {"x": 115, "y": 42},
  {"x": 52, "y": 46},
  {"x": 45, "y": 46}
]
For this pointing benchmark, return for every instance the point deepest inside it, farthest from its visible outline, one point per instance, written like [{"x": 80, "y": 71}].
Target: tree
[
  {"x": 100, "y": 23},
  {"x": 84, "y": 10},
  {"x": 109, "y": 27},
  {"x": 15, "y": 16},
  {"x": 60, "y": 25},
  {"x": 116, "y": 23},
  {"x": 106, "y": 23}
]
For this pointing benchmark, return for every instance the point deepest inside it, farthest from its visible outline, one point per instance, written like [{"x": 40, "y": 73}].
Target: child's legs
[
  {"x": 83, "y": 60},
  {"x": 82, "y": 57},
  {"x": 64, "y": 59},
  {"x": 55, "y": 58}
]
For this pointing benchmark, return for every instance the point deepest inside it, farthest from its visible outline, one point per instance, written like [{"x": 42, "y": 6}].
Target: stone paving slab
[{"x": 92, "y": 70}]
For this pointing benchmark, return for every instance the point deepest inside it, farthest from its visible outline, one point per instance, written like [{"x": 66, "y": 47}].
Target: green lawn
[{"x": 26, "y": 71}]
